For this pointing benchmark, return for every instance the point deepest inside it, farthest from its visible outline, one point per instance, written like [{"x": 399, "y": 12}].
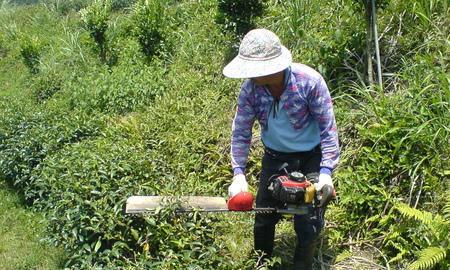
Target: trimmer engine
[{"x": 292, "y": 189}]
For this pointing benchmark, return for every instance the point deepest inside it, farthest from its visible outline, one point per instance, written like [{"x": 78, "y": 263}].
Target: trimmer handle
[{"x": 327, "y": 194}]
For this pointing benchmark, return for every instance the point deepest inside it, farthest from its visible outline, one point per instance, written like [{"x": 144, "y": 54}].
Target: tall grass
[{"x": 396, "y": 150}]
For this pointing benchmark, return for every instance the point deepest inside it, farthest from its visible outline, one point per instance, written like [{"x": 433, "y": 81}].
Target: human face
[{"x": 272, "y": 79}]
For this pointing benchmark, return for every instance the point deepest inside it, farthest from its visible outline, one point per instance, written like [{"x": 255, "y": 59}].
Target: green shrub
[
  {"x": 121, "y": 4},
  {"x": 19, "y": 156},
  {"x": 149, "y": 25},
  {"x": 31, "y": 49},
  {"x": 30, "y": 135},
  {"x": 87, "y": 185},
  {"x": 65, "y": 6},
  {"x": 46, "y": 85},
  {"x": 124, "y": 89},
  {"x": 95, "y": 18},
  {"x": 239, "y": 16}
]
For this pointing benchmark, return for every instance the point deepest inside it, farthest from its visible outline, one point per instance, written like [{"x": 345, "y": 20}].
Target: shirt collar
[{"x": 287, "y": 77}]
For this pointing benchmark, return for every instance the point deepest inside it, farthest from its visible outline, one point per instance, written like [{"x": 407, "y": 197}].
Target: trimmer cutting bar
[{"x": 183, "y": 204}]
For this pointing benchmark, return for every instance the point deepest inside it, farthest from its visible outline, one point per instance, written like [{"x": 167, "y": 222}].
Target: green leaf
[
  {"x": 97, "y": 245},
  {"x": 135, "y": 234},
  {"x": 428, "y": 258},
  {"x": 343, "y": 256}
]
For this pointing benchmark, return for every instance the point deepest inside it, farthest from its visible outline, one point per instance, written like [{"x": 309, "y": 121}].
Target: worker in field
[{"x": 293, "y": 106}]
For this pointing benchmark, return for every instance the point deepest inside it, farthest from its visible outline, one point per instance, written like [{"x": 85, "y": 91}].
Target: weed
[
  {"x": 71, "y": 47},
  {"x": 3, "y": 47}
]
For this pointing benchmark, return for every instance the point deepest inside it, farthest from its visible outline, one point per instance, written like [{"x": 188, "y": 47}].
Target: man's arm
[
  {"x": 242, "y": 130},
  {"x": 321, "y": 107}
]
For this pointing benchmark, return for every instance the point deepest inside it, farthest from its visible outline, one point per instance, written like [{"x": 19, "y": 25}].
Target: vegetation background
[{"x": 105, "y": 99}]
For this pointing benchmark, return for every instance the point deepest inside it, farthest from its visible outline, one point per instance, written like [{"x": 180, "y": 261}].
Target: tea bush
[
  {"x": 239, "y": 16},
  {"x": 148, "y": 26},
  {"x": 30, "y": 50},
  {"x": 46, "y": 85},
  {"x": 122, "y": 4},
  {"x": 95, "y": 188},
  {"x": 95, "y": 18},
  {"x": 97, "y": 176},
  {"x": 124, "y": 89},
  {"x": 30, "y": 135}
]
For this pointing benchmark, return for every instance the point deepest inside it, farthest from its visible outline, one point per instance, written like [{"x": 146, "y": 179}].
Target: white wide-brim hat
[{"x": 260, "y": 54}]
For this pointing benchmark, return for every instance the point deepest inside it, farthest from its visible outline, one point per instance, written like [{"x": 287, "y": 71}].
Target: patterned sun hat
[{"x": 260, "y": 54}]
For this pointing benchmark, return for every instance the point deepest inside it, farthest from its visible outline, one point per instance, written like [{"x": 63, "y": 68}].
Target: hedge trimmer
[{"x": 295, "y": 194}]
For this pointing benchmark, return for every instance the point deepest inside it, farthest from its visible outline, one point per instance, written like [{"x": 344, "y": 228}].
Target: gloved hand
[
  {"x": 325, "y": 189},
  {"x": 239, "y": 184},
  {"x": 324, "y": 179}
]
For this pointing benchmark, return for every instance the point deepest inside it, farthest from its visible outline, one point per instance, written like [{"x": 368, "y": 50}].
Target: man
[{"x": 294, "y": 109}]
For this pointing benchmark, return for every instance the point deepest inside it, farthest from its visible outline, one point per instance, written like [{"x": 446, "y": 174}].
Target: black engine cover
[{"x": 285, "y": 193}]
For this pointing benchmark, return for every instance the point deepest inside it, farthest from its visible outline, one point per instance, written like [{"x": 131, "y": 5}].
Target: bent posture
[{"x": 293, "y": 106}]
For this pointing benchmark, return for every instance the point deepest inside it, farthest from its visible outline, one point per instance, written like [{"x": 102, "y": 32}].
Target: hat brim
[{"x": 242, "y": 68}]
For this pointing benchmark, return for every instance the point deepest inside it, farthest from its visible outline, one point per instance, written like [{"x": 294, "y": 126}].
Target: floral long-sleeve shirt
[{"x": 306, "y": 98}]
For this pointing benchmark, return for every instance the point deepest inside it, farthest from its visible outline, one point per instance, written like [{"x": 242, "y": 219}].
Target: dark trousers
[{"x": 308, "y": 226}]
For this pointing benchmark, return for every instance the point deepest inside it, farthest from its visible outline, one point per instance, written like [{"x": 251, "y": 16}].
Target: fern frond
[
  {"x": 423, "y": 216},
  {"x": 428, "y": 258},
  {"x": 446, "y": 210}
]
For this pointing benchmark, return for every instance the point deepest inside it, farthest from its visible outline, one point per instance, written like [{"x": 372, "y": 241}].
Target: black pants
[{"x": 308, "y": 226}]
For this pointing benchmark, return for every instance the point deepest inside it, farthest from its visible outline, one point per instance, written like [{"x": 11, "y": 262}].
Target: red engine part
[
  {"x": 242, "y": 201},
  {"x": 286, "y": 182}
]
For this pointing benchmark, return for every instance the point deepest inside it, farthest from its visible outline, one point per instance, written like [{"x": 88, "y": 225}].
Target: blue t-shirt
[
  {"x": 278, "y": 133},
  {"x": 281, "y": 136}
]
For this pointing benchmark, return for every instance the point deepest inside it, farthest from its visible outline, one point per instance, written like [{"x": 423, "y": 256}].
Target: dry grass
[{"x": 363, "y": 258}]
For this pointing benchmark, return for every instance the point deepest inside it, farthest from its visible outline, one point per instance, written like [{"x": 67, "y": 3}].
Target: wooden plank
[{"x": 143, "y": 204}]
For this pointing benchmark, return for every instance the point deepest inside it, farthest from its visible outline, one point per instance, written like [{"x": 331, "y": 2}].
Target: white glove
[
  {"x": 324, "y": 179},
  {"x": 239, "y": 185}
]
